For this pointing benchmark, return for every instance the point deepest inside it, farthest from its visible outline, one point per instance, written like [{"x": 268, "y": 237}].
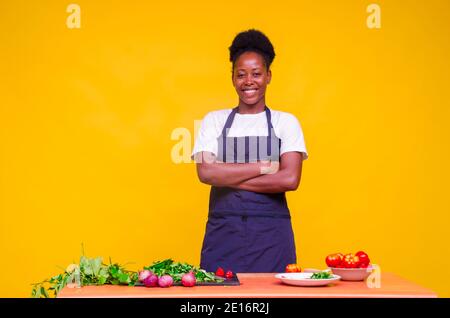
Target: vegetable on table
[
  {"x": 177, "y": 269},
  {"x": 229, "y": 274},
  {"x": 220, "y": 272},
  {"x": 144, "y": 274},
  {"x": 339, "y": 260},
  {"x": 90, "y": 271},
  {"x": 350, "y": 261},
  {"x": 151, "y": 280},
  {"x": 322, "y": 275},
  {"x": 188, "y": 280},
  {"x": 364, "y": 259},
  {"x": 165, "y": 281},
  {"x": 334, "y": 260},
  {"x": 293, "y": 268}
]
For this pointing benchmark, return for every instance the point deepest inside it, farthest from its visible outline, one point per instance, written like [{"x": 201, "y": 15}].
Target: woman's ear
[{"x": 269, "y": 76}]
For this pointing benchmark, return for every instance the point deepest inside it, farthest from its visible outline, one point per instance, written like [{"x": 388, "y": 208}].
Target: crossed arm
[{"x": 261, "y": 177}]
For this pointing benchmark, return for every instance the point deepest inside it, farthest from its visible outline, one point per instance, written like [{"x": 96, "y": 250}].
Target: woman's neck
[{"x": 252, "y": 109}]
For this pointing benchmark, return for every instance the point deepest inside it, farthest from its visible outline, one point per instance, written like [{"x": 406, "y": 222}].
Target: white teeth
[{"x": 250, "y": 92}]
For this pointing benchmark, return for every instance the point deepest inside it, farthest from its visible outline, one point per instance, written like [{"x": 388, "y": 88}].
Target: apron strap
[
  {"x": 269, "y": 129},
  {"x": 229, "y": 122}
]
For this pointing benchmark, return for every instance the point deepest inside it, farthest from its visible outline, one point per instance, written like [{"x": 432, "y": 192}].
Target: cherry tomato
[
  {"x": 350, "y": 261},
  {"x": 334, "y": 260},
  {"x": 293, "y": 268},
  {"x": 364, "y": 259},
  {"x": 229, "y": 274},
  {"x": 220, "y": 272}
]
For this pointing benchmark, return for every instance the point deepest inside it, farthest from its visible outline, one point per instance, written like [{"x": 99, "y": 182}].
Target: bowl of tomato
[{"x": 351, "y": 267}]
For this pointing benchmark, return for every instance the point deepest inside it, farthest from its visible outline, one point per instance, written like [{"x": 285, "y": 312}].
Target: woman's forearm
[
  {"x": 286, "y": 179},
  {"x": 226, "y": 174},
  {"x": 281, "y": 181}
]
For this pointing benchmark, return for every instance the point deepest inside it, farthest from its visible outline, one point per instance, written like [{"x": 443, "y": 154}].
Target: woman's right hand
[{"x": 269, "y": 167}]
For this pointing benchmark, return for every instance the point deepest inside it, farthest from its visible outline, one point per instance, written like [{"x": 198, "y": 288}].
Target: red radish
[
  {"x": 165, "y": 281},
  {"x": 151, "y": 280},
  {"x": 229, "y": 274},
  {"x": 188, "y": 280},
  {"x": 144, "y": 274}
]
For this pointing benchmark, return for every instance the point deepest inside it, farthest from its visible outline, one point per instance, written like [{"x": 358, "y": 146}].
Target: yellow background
[{"x": 87, "y": 115}]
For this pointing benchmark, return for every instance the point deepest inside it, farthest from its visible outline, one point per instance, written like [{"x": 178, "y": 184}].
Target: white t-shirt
[{"x": 285, "y": 125}]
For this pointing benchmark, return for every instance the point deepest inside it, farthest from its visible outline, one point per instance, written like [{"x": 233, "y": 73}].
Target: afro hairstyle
[{"x": 252, "y": 41}]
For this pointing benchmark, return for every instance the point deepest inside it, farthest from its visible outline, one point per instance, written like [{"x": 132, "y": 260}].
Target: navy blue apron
[{"x": 248, "y": 231}]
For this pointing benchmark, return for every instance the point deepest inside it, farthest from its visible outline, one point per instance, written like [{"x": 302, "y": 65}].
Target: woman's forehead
[{"x": 249, "y": 60}]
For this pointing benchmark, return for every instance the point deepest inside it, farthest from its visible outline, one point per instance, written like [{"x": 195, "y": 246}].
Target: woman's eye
[{"x": 256, "y": 74}]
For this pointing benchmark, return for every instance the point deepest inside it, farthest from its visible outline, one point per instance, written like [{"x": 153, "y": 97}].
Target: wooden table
[{"x": 259, "y": 286}]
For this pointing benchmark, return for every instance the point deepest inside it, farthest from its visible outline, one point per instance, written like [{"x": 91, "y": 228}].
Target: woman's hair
[{"x": 254, "y": 41}]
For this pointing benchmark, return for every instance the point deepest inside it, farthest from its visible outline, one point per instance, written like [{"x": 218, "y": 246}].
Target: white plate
[{"x": 304, "y": 279}]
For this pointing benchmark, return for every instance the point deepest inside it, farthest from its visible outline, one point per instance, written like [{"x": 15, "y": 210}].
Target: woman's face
[{"x": 250, "y": 77}]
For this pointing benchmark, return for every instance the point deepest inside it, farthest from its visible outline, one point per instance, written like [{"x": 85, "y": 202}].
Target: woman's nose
[{"x": 248, "y": 79}]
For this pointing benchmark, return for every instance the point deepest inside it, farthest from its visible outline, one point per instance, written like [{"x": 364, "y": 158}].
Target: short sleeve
[
  {"x": 208, "y": 133},
  {"x": 291, "y": 135}
]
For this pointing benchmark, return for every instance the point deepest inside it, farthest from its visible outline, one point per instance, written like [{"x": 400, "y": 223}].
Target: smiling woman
[
  {"x": 250, "y": 155},
  {"x": 251, "y": 55}
]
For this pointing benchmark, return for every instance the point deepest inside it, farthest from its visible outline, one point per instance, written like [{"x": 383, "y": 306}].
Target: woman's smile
[{"x": 249, "y": 92}]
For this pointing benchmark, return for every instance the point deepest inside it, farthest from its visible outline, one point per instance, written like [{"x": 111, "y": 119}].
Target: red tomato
[
  {"x": 364, "y": 260},
  {"x": 350, "y": 261},
  {"x": 229, "y": 274},
  {"x": 220, "y": 272},
  {"x": 365, "y": 265},
  {"x": 293, "y": 268},
  {"x": 334, "y": 260}
]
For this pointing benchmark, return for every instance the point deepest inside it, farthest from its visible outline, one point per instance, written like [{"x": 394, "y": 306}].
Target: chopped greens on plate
[{"x": 322, "y": 275}]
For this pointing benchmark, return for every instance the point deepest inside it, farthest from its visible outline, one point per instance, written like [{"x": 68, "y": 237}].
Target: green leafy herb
[
  {"x": 321, "y": 275},
  {"x": 177, "y": 270},
  {"x": 92, "y": 271}
]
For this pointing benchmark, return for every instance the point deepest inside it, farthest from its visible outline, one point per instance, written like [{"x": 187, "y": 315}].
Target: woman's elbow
[
  {"x": 292, "y": 183},
  {"x": 204, "y": 175},
  {"x": 204, "y": 178}
]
